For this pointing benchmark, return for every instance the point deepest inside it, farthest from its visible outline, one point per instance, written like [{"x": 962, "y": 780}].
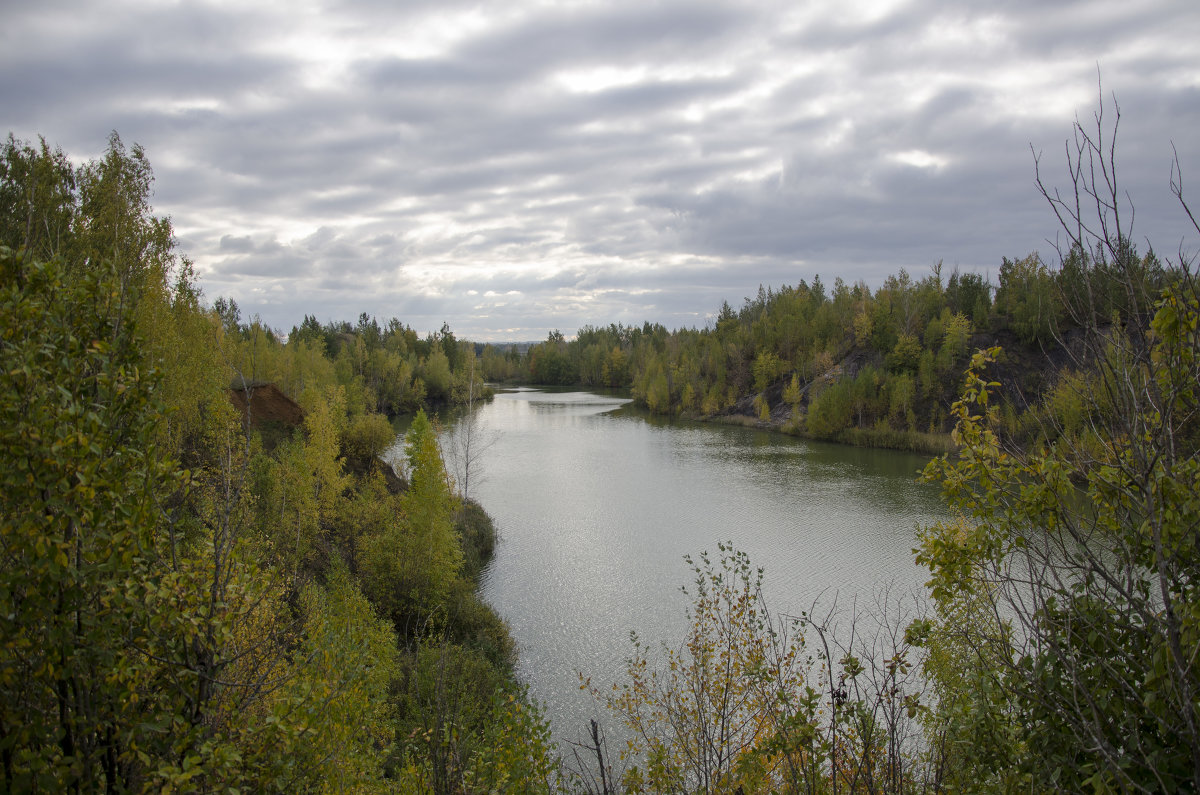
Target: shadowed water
[{"x": 596, "y": 506}]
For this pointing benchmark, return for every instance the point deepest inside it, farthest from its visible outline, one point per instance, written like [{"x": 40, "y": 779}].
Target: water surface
[{"x": 597, "y": 506}]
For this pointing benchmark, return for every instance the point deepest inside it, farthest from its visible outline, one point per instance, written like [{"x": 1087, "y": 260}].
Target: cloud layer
[{"x": 515, "y": 167}]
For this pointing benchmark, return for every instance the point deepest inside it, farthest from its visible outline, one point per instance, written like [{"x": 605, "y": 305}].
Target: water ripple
[{"x": 596, "y": 511}]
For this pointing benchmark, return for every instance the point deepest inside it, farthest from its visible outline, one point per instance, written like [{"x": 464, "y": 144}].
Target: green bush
[{"x": 367, "y": 436}]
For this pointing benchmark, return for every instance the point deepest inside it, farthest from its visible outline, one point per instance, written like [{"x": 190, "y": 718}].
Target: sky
[{"x": 515, "y": 167}]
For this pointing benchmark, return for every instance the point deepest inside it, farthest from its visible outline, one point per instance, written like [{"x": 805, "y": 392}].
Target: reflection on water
[{"x": 596, "y": 508}]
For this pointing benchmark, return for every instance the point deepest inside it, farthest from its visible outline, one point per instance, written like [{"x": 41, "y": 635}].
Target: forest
[
  {"x": 212, "y": 581},
  {"x": 878, "y": 368},
  {"x": 195, "y": 598}
]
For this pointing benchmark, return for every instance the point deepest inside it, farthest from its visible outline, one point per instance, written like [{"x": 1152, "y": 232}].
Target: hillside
[{"x": 849, "y": 364}]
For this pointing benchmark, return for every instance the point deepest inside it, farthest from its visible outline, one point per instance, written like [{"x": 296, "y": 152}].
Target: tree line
[
  {"x": 387, "y": 369},
  {"x": 850, "y": 364}
]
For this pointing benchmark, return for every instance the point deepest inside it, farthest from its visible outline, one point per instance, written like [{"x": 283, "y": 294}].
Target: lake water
[{"x": 597, "y": 505}]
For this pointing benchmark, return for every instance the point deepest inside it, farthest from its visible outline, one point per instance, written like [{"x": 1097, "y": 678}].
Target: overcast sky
[{"x": 519, "y": 166}]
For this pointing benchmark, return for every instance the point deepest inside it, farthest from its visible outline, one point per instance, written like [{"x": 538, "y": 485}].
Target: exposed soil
[
  {"x": 1025, "y": 372},
  {"x": 264, "y": 404},
  {"x": 276, "y": 417}
]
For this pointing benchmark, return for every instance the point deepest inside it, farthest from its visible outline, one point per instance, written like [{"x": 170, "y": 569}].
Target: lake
[{"x": 597, "y": 504}]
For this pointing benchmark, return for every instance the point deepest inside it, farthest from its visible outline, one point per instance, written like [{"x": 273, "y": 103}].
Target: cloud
[{"x": 515, "y": 167}]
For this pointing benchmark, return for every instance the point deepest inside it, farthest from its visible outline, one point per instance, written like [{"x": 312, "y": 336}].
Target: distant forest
[{"x": 849, "y": 364}]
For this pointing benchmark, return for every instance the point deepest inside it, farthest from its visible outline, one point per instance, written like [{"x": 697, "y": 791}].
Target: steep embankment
[
  {"x": 275, "y": 416},
  {"x": 266, "y": 409},
  {"x": 1025, "y": 373}
]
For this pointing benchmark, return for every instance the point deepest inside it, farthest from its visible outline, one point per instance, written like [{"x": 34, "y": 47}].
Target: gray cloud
[{"x": 511, "y": 168}]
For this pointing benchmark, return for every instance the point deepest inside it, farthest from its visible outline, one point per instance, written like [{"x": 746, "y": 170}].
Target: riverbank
[
  {"x": 887, "y": 438},
  {"x": 781, "y": 420}
]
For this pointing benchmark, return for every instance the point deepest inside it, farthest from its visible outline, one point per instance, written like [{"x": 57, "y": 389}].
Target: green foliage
[
  {"x": 744, "y": 705},
  {"x": 1110, "y": 283},
  {"x": 502, "y": 365},
  {"x": 767, "y": 368},
  {"x": 957, "y": 337},
  {"x": 140, "y": 632},
  {"x": 974, "y": 732},
  {"x": 830, "y": 411},
  {"x": 516, "y": 754},
  {"x": 652, "y": 388},
  {"x": 550, "y": 364},
  {"x": 703, "y": 720},
  {"x": 478, "y": 537},
  {"x": 100, "y": 212},
  {"x": 145, "y": 631},
  {"x": 324, "y": 421},
  {"x": 1105, "y": 676},
  {"x": 38, "y": 200},
  {"x": 970, "y": 295},
  {"x": 367, "y": 436},
  {"x": 905, "y": 355},
  {"x": 336, "y": 699},
  {"x": 901, "y": 396},
  {"x": 462, "y": 728},
  {"x": 764, "y": 408},
  {"x": 114, "y": 197},
  {"x": 615, "y": 370},
  {"x": 409, "y": 567},
  {"x": 437, "y": 375},
  {"x": 802, "y": 330},
  {"x": 200, "y": 630},
  {"x": 429, "y": 504},
  {"x": 793, "y": 393},
  {"x": 381, "y": 370},
  {"x": 80, "y": 503},
  {"x": 1027, "y": 297},
  {"x": 264, "y": 620}
]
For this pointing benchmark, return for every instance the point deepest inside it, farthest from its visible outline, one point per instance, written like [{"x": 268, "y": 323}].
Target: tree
[
  {"x": 114, "y": 201},
  {"x": 767, "y": 368},
  {"x": 793, "y": 394},
  {"x": 747, "y": 704},
  {"x": 408, "y": 568},
  {"x": 830, "y": 410},
  {"x": 336, "y": 695},
  {"x": 367, "y": 436},
  {"x": 906, "y": 355},
  {"x": 1028, "y": 298},
  {"x": 1091, "y": 550},
  {"x": 98, "y": 216},
  {"x": 466, "y": 445},
  {"x": 128, "y": 605},
  {"x": 969, "y": 294},
  {"x": 38, "y": 202},
  {"x": 79, "y": 497},
  {"x": 704, "y": 719},
  {"x": 437, "y": 374},
  {"x": 135, "y": 607},
  {"x": 191, "y": 629},
  {"x": 429, "y": 505}
]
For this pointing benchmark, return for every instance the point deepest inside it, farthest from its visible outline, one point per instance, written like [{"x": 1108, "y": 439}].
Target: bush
[{"x": 367, "y": 436}]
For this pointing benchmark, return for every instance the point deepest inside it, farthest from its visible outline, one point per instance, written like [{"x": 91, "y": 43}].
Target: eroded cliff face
[{"x": 263, "y": 404}]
